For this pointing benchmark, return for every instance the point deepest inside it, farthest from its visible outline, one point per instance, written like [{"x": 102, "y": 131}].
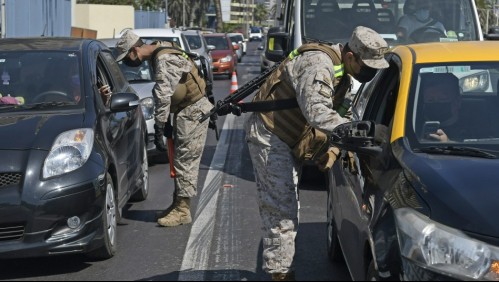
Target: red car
[{"x": 224, "y": 55}]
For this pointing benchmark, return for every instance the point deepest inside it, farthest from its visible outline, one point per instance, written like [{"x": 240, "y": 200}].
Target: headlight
[
  {"x": 147, "y": 106},
  {"x": 479, "y": 81},
  {"x": 444, "y": 249},
  {"x": 226, "y": 59},
  {"x": 70, "y": 151}
]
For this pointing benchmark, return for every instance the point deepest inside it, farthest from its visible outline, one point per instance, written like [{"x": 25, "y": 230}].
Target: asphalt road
[{"x": 224, "y": 241}]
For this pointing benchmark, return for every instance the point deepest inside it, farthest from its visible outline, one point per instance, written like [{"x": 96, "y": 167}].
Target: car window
[
  {"x": 395, "y": 20},
  {"x": 194, "y": 41},
  {"x": 135, "y": 74},
  {"x": 460, "y": 99},
  {"x": 119, "y": 83},
  {"x": 40, "y": 77},
  {"x": 220, "y": 43}
]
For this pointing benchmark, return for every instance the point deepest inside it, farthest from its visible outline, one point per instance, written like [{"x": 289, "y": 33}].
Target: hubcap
[{"x": 111, "y": 214}]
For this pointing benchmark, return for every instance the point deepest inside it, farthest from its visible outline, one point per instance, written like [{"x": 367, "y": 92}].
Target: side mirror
[
  {"x": 210, "y": 47},
  {"x": 235, "y": 46},
  {"x": 358, "y": 137},
  {"x": 123, "y": 102},
  {"x": 277, "y": 44}
]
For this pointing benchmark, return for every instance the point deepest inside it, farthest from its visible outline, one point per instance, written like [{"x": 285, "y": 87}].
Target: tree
[
  {"x": 261, "y": 13},
  {"x": 218, "y": 8}
]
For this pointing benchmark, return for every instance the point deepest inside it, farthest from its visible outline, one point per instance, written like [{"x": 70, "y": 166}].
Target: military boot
[
  {"x": 163, "y": 213},
  {"x": 180, "y": 214},
  {"x": 290, "y": 276}
]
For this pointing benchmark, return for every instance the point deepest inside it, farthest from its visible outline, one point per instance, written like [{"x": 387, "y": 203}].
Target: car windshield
[
  {"x": 40, "y": 80},
  {"x": 194, "y": 41},
  {"x": 255, "y": 30},
  {"x": 220, "y": 43},
  {"x": 135, "y": 74},
  {"x": 398, "y": 21},
  {"x": 459, "y": 100}
]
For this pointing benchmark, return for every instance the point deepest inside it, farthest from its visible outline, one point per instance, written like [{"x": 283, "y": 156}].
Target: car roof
[
  {"x": 110, "y": 42},
  {"x": 157, "y": 32},
  {"x": 216, "y": 35},
  {"x": 434, "y": 52},
  {"x": 43, "y": 43}
]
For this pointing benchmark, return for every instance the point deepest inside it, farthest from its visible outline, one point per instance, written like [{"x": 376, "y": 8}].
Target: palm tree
[
  {"x": 218, "y": 8},
  {"x": 261, "y": 13}
]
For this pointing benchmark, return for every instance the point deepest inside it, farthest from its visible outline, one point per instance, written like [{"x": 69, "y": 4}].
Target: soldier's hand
[
  {"x": 326, "y": 161},
  {"x": 159, "y": 133},
  {"x": 224, "y": 110}
]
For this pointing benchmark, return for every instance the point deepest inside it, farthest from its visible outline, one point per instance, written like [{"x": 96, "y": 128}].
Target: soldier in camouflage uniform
[
  {"x": 310, "y": 76},
  {"x": 180, "y": 90}
]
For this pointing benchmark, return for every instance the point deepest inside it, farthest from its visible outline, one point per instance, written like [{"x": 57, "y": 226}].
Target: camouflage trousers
[
  {"x": 189, "y": 136},
  {"x": 277, "y": 181}
]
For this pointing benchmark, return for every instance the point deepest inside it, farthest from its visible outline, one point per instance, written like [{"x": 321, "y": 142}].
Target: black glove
[
  {"x": 159, "y": 132},
  {"x": 224, "y": 110}
]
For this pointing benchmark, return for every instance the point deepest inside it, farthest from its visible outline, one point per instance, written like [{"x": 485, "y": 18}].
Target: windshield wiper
[{"x": 457, "y": 150}]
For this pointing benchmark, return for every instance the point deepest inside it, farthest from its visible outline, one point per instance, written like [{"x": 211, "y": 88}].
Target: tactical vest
[
  {"x": 290, "y": 125},
  {"x": 191, "y": 87}
]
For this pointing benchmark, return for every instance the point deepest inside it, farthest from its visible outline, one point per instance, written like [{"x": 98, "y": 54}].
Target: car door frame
[{"x": 359, "y": 196}]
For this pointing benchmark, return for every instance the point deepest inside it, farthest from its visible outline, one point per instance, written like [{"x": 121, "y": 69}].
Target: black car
[
  {"x": 413, "y": 194},
  {"x": 70, "y": 162}
]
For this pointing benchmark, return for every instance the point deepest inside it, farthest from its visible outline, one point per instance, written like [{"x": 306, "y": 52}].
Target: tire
[
  {"x": 143, "y": 183},
  {"x": 110, "y": 219},
  {"x": 334, "y": 251}
]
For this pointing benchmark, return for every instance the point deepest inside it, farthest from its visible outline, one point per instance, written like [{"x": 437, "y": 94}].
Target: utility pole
[
  {"x": 183, "y": 13},
  {"x": 4, "y": 31},
  {"x": 167, "y": 24}
]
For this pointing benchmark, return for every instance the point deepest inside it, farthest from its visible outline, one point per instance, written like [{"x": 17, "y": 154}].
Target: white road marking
[{"x": 196, "y": 256}]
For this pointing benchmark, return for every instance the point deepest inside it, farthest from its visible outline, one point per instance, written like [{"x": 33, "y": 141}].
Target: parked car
[
  {"x": 224, "y": 55},
  {"x": 238, "y": 38},
  {"x": 493, "y": 33},
  {"x": 141, "y": 79},
  {"x": 198, "y": 45},
  {"x": 255, "y": 33},
  {"x": 401, "y": 204},
  {"x": 70, "y": 162}
]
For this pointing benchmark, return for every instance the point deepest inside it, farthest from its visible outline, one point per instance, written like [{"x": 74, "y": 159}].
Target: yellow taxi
[{"x": 413, "y": 194}]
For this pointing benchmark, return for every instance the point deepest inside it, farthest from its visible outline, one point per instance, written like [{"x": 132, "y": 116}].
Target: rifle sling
[{"x": 268, "y": 106}]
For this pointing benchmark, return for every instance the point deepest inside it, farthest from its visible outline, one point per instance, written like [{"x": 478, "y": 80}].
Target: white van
[{"x": 333, "y": 21}]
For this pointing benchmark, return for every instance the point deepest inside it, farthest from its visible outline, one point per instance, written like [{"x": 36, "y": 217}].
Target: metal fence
[{"x": 26, "y": 18}]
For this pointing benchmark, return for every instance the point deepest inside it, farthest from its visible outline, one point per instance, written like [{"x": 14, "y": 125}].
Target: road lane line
[{"x": 196, "y": 256}]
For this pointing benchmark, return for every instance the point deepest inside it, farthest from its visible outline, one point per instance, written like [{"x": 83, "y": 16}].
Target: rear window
[{"x": 220, "y": 43}]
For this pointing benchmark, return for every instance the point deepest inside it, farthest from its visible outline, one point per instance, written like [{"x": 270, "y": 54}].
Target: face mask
[
  {"x": 438, "y": 111},
  {"x": 365, "y": 74},
  {"x": 132, "y": 63},
  {"x": 422, "y": 15}
]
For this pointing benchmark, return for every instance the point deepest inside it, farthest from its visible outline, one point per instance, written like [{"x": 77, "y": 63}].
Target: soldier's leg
[
  {"x": 189, "y": 138},
  {"x": 277, "y": 180}
]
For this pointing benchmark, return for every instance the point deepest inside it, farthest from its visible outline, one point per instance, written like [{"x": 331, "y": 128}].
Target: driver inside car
[{"x": 417, "y": 18}]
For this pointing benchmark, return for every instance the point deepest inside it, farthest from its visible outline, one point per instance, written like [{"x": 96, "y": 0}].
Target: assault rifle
[{"x": 230, "y": 103}]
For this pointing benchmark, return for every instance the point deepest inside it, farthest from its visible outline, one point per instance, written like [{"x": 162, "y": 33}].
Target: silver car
[
  {"x": 197, "y": 44},
  {"x": 141, "y": 79}
]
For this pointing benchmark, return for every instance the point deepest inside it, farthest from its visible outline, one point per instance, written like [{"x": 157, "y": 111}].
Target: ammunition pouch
[{"x": 312, "y": 144}]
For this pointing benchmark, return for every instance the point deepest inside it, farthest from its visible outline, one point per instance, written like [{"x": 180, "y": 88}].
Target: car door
[
  {"x": 363, "y": 177},
  {"x": 119, "y": 125}
]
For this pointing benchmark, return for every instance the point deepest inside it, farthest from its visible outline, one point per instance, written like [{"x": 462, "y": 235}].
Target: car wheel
[
  {"x": 333, "y": 244},
  {"x": 143, "y": 183},
  {"x": 110, "y": 218}
]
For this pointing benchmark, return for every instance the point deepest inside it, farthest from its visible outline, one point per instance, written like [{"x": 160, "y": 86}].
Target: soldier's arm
[
  {"x": 169, "y": 71},
  {"x": 314, "y": 88}
]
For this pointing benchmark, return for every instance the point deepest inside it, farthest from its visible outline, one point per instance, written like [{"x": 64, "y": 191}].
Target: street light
[{"x": 183, "y": 13}]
